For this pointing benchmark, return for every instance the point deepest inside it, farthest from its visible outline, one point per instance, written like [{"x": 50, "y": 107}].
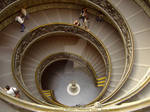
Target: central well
[{"x": 72, "y": 83}]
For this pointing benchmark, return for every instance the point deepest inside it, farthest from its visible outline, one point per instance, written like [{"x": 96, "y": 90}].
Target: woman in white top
[{"x": 20, "y": 20}]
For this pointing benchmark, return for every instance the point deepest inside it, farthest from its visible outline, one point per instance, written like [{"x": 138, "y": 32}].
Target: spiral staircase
[{"x": 109, "y": 60}]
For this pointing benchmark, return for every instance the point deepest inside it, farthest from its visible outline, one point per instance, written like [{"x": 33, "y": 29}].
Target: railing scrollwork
[{"x": 45, "y": 30}]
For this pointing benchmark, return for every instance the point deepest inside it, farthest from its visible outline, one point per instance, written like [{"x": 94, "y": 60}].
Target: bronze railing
[
  {"x": 45, "y": 30},
  {"x": 127, "y": 107},
  {"x": 61, "y": 56},
  {"x": 108, "y": 9},
  {"x": 5, "y": 3}
]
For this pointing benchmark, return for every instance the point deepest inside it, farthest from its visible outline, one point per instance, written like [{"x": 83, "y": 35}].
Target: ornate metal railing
[
  {"x": 116, "y": 19},
  {"x": 46, "y": 30},
  {"x": 145, "y": 4},
  {"x": 133, "y": 106},
  {"x": 122, "y": 26},
  {"x": 61, "y": 56},
  {"x": 140, "y": 86},
  {"x": 5, "y": 3}
]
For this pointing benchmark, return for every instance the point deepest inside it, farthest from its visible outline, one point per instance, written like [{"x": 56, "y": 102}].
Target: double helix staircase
[{"x": 135, "y": 88}]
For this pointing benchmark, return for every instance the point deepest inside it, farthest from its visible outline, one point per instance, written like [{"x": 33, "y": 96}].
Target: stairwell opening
[{"x": 60, "y": 74}]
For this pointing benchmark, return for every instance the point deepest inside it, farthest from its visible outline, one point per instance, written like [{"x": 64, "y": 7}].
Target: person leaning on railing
[{"x": 12, "y": 91}]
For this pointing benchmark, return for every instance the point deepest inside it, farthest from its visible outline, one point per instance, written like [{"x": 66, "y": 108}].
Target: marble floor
[{"x": 59, "y": 75}]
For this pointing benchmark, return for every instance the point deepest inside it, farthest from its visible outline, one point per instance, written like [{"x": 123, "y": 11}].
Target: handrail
[
  {"x": 145, "y": 4},
  {"x": 6, "y": 4},
  {"x": 126, "y": 107},
  {"x": 128, "y": 44},
  {"x": 61, "y": 56},
  {"x": 141, "y": 84},
  {"x": 39, "y": 108},
  {"x": 42, "y": 31},
  {"x": 7, "y": 16},
  {"x": 120, "y": 23}
]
